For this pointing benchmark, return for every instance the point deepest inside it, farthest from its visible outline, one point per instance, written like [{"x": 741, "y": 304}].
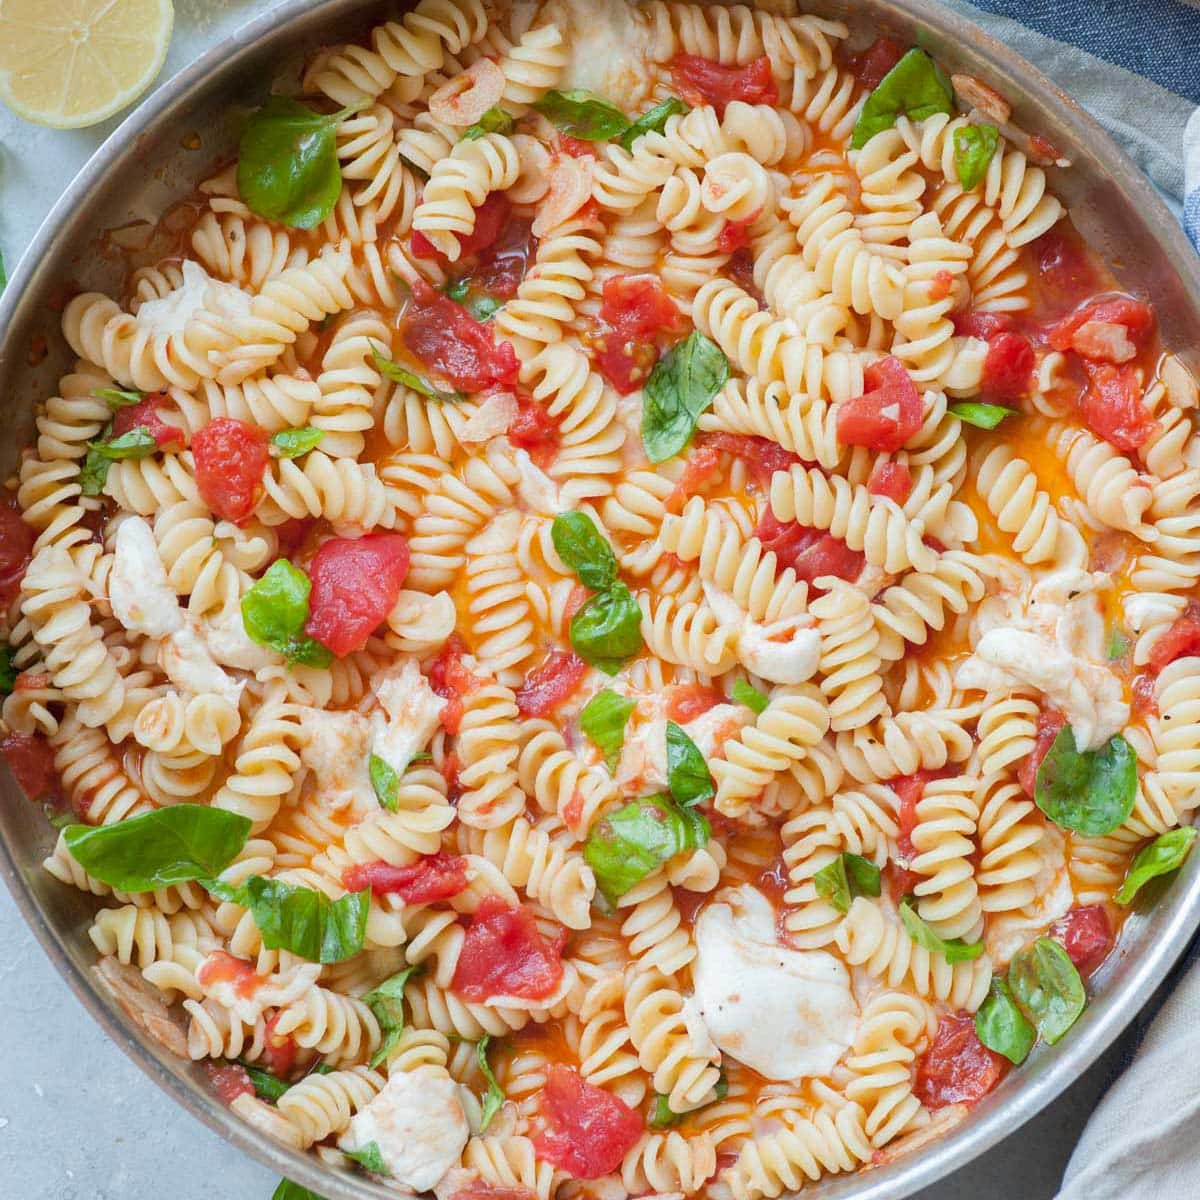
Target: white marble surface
[{"x": 78, "y": 1121}]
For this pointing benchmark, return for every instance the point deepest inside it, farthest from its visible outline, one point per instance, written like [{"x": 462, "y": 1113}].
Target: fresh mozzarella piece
[
  {"x": 185, "y": 658},
  {"x": 1053, "y": 898},
  {"x": 642, "y": 767},
  {"x": 608, "y": 45},
  {"x": 418, "y": 1123},
  {"x": 336, "y": 750},
  {"x": 785, "y": 1013},
  {"x": 711, "y": 729},
  {"x": 141, "y": 597},
  {"x": 199, "y": 292},
  {"x": 492, "y": 418},
  {"x": 411, "y": 714},
  {"x": 786, "y": 651},
  {"x": 229, "y": 644},
  {"x": 702, "y": 1045},
  {"x": 538, "y": 492}
]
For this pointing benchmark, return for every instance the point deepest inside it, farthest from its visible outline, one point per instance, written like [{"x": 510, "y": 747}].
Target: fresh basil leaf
[
  {"x": 1001, "y": 1025},
  {"x": 681, "y": 386},
  {"x": 169, "y": 845},
  {"x": 661, "y": 1116},
  {"x": 495, "y": 120},
  {"x": 974, "y": 146},
  {"x": 94, "y": 473},
  {"x": 458, "y": 289},
  {"x": 653, "y": 121},
  {"x": 298, "y": 919},
  {"x": 1047, "y": 986},
  {"x": 603, "y": 722},
  {"x": 688, "y": 778},
  {"x": 398, "y": 374},
  {"x": 864, "y": 876},
  {"x": 288, "y": 168},
  {"x": 493, "y": 1098},
  {"x": 274, "y": 612},
  {"x": 1165, "y": 854},
  {"x": 607, "y": 630},
  {"x": 982, "y": 416},
  {"x": 266, "y": 1086},
  {"x": 117, "y": 398},
  {"x": 625, "y": 846},
  {"x": 291, "y": 443},
  {"x": 916, "y": 87},
  {"x": 953, "y": 950},
  {"x": 483, "y": 307},
  {"x": 8, "y": 673},
  {"x": 752, "y": 698},
  {"x": 287, "y": 1190},
  {"x": 370, "y": 1158},
  {"x": 581, "y": 547},
  {"x": 60, "y": 820},
  {"x": 1118, "y": 644},
  {"x": 849, "y": 875},
  {"x": 582, "y": 115},
  {"x": 385, "y": 781},
  {"x": 387, "y": 1003},
  {"x": 1089, "y": 792}
]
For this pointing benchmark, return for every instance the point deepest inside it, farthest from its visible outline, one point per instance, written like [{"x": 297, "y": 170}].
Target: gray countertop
[{"x": 78, "y": 1121}]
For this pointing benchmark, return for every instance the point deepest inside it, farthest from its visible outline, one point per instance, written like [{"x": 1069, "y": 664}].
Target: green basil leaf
[
  {"x": 688, "y": 778},
  {"x": 136, "y": 443},
  {"x": 266, "y": 1086},
  {"x": 495, "y": 120},
  {"x": 494, "y": 1096},
  {"x": 661, "y": 1116},
  {"x": 60, "y": 820},
  {"x": 288, "y": 168},
  {"x": 681, "y": 386},
  {"x": 1047, "y": 986},
  {"x": 953, "y": 950},
  {"x": 370, "y": 1158},
  {"x": 483, "y": 307},
  {"x": 8, "y": 673},
  {"x": 582, "y": 115},
  {"x": 94, "y": 473},
  {"x": 458, "y": 289},
  {"x": 116, "y": 398},
  {"x": 274, "y": 612},
  {"x": 1001, "y": 1025},
  {"x": 387, "y": 1003},
  {"x": 385, "y": 781},
  {"x": 298, "y": 919},
  {"x": 653, "y": 121},
  {"x": 607, "y": 630},
  {"x": 398, "y": 374},
  {"x": 864, "y": 876},
  {"x": 625, "y": 846},
  {"x": 974, "y": 146},
  {"x": 287, "y": 1190},
  {"x": 581, "y": 547},
  {"x": 752, "y": 698},
  {"x": 1118, "y": 644},
  {"x": 982, "y": 416},
  {"x": 1089, "y": 792},
  {"x": 603, "y": 722},
  {"x": 170, "y": 845},
  {"x": 291, "y": 443},
  {"x": 1165, "y": 854},
  {"x": 849, "y": 875},
  {"x": 916, "y": 87}
]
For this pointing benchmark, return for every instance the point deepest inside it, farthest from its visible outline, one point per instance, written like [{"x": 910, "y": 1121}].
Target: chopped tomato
[
  {"x": 1007, "y": 369},
  {"x": 701, "y": 464},
  {"x": 624, "y": 362},
  {"x": 983, "y": 325},
  {"x": 1087, "y": 936},
  {"x": 887, "y": 414},
  {"x": 873, "y": 63},
  {"x": 639, "y": 306},
  {"x": 578, "y": 597},
  {"x": 549, "y": 684},
  {"x": 900, "y": 881},
  {"x": 231, "y": 456},
  {"x": 450, "y": 771},
  {"x": 1050, "y": 722},
  {"x": 584, "y": 1129},
  {"x": 490, "y": 219},
  {"x": 892, "y": 480},
  {"x": 1112, "y": 408},
  {"x": 703, "y": 81},
  {"x": 941, "y": 285},
  {"x": 577, "y": 147},
  {"x": 355, "y": 584},
  {"x": 1145, "y": 701},
  {"x": 535, "y": 430},
  {"x": 31, "y": 760},
  {"x": 1135, "y": 316},
  {"x": 1042, "y": 150},
  {"x": 958, "y": 1068},
  {"x": 437, "y": 877},
  {"x": 687, "y": 701},
  {"x": 504, "y": 953},
  {"x": 809, "y": 552},
  {"x": 222, "y": 967},
  {"x": 279, "y": 1049},
  {"x": 450, "y": 342},
  {"x": 168, "y": 437},
  {"x": 909, "y": 789},
  {"x": 1182, "y": 638},
  {"x": 292, "y": 534},
  {"x": 480, "y": 1189},
  {"x": 762, "y": 456},
  {"x": 451, "y": 680},
  {"x": 31, "y": 681},
  {"x": 501, "y": 267},
  {"x": 229, "y": 1081},
  {"x": 1065, "y": 272},
  {"x": 741, "y": 271},
  {"x": 734, "y": 235},
  {"x": 16, "y": 549}
]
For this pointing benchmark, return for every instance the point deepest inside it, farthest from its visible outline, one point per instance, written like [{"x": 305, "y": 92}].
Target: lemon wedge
[{"x": 69, "y": 63}]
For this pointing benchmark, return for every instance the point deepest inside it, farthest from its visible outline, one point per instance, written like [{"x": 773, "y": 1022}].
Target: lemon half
[{"x": 69, "y": 63}]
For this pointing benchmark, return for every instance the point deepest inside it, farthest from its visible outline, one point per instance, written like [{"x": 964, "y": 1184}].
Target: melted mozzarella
[
  {"x": 419, "y": 1125},
  {"x": 141, "y": 597},
  {"x": 643, "y": 763},
  {"x": 711, "y": 729},
  {"x": 230, "y": 646},
  {"x": 1053, "y": 897},
  {"x": 538, "y": 492},
  {"x": 785, "y": 1013},
  {"x": 185, "y": 658},
  {"x": 413, "y": 712},
  {"x": 199, "y": 292},
  {"x": 608, "y": 45},
  {"x": 336, "y": 751},
  {"x": 786, "y": 651}
]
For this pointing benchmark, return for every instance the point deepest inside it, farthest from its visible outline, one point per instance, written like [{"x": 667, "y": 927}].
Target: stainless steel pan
[{"x": 144, "y": 166}]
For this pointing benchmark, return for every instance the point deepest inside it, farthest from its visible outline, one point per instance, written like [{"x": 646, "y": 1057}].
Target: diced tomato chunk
[
  {"x": 734, "y": 235},
  {"x": 16, "y": 549},
  {"x": 702, "y": 463},
  {"x": 355, "y": 584},
  {"x": 504, "y": 953},
  {"x": 1134, "y": 315},
  {"x": 892, "y": 480},
  {"x": 480, "y": 1189},
  {"x": 1050, "y": 723},
  {"x": 909, "y": 789},
  {"x": 1087, "y": 935},
  {"x": 279, "y": 1049},
  {"x": 639, "y": 306},
  {"x": 451, "y": 343},
  {"x": 703, "y": 81},
  {"x": 222, "y": 967},
  {"x": 490, "y": 219},
  {"x": 687, "y": 701},
  {"x": 292, "y": 534},
  {"x": 1007, "y": 368},
  {"x": 535, "y": 430},
  {"x": 31, "y": 760},
  {"x": 231, "y": 456},
  {"x": 741, "y": 270},
  {"x": 451, "y": 680},
  {"x": 873, "y": 63},
  {"x": 809, "y": 552},
  {"x": 584, "y": 1129},
  {"x": 983, "y": 325},
  {"x": 168, "y": 437},
  {"x": 762, "y": 456},
  {"x": 550, "y": 683},
  {"x": 229, "y": 1081},
  {"x": 436, "y": 877},
  {"x": 1182, "y": 638},
  {"x": 624, "y": 362},
  {"x": 887, "y": 414},
  {"x": 941, "y": 285},
  {"x": 1112, "y": 407},
  {"x": 577, "y": 147},
  {"x": 1064, "y": 269},
  {"x": 502, "y": 265},
  {"x": 958, "y": 1068}
]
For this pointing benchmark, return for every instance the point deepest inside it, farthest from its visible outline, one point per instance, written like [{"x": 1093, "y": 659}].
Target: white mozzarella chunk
[
  {"x": 336, "y": 750},
  {"x": 230, "y": 645},
  {"x": 418, "y": 1123},
  {"x": 141, "y": 597},
  {"x": 785, "y": 1013},
  {"x": 786, "y": 651},
  {"x": 608, "y": 44},
  {"x": 711, "y": 729},
  {"x": 185, "y": 658},
  {"x": 643, "y": 763},
  {"x": 199, "y": 292},
  {"x": 537, "y": 491},
  {"x": 1053, "y": 898},
  {"x": 411, "y": 714}
]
